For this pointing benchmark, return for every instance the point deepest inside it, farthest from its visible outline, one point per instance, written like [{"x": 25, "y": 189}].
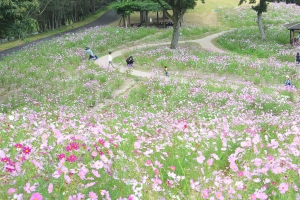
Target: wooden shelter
[
  {"x": 293, "y": 27},
  {"x": 126, "y": 8}
]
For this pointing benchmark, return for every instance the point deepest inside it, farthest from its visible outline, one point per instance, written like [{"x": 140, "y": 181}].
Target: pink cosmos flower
[
  {"x": 205, "y": 193},
  {"x": 283, "y": 187},
  {"x": 157, "y": 181},
  {"x": 96, "y": 173},
  {"x": 11, "y": 190},
  {"x": 93, "y": 196},
  {"x": 90, "y": 184},
  {"x": 200, "y": 159},
  {"x": 132, "y": 197},
  {"x": 210, "y": 162},
  {"x": 72, "y": 158},
  {"x": 26, "y": 150},
  {"x": 173, "y": 168},
  {"x": 253, "y": 197},
  {"x": 195, "y": 185},
  {"x": 29, "y": 188},
  {"x": 98, "y": 164},
  {"x": 18, "y": 196},
  {"x": 219, "y": 195},
  {"x": 94, "y": 153},
  {"x": 76, "y": 197},
  {"x": 36, "y": 196},
  {"x": 50, "y": 188},
  {"x": 148, "y": 163}
]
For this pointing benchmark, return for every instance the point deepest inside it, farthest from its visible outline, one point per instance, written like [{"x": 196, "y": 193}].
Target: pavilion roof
[{"x": 293, "y": 26}]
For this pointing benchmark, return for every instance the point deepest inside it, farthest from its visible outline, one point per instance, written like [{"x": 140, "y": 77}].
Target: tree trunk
[
  {"x": 129, "y": 23},
  {"x": 261, "y": 26},
  {"x": 176, "y": 32},
  {"x": 123, "y": 16}
]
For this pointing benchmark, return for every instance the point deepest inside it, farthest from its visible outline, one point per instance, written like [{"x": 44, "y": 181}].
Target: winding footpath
[{"x": 205, "y": 42}]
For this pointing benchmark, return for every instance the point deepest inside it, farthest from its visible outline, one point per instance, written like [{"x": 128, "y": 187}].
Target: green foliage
[
  {"x": 132, "y": 6},
  {"x": 15, "y": 17},
  {"x": 262, "y": 6}
]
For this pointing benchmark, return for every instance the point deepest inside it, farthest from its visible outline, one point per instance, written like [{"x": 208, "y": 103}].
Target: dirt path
[{"x": 205, "y": 42}]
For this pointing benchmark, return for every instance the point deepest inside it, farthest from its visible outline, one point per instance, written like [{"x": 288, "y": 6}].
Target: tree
[
  {"x": 15, "y": 17},
  {"x": 261, "y": 7},
  {"x": 179, "y": 7}
]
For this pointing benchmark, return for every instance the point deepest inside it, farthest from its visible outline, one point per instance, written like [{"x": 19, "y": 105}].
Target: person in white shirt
[{"x": 110, "y": 59}]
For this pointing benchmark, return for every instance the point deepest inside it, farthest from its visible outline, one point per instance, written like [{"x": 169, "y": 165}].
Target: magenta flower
[
  {"x": 36, "y": 196},
  {"x": 68, "y": 148},
  {"x": 18, "y": 146},
  {"x": 101, "y": 141},
  {"x": 283, "y": 187},
  {"x": 173, "y": 168},
  {"x": 72, "y": 158},
  {"x": 61, "y": 156},
  {"x": 26, "y": 150},
  {"x": 132, "y": 197},
  {"x": 6, "y": 160},
  {"x": 240, "y": 174},
  {"x": 74, "y": 146}
]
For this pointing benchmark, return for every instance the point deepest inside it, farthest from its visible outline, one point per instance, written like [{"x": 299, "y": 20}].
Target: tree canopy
[
  {"x": 16, "y": 16},
  {"x": 178, "y": 7},
  {"x": 133, "y": 6}
]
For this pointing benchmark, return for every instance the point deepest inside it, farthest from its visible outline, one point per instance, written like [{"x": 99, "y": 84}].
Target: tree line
[{"x": 21, "y": 17}]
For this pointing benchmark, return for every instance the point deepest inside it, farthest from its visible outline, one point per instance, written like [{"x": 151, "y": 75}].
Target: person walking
[
  {"x": 298, "y": 58},
  {"x": 110, "y": 59},
  {"x": 166, "y": 71}
]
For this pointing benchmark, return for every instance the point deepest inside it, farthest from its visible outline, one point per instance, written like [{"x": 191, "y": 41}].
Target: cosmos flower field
[{"x": 206, "y": 138}]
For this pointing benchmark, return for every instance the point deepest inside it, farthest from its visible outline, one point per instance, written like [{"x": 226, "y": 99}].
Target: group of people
[
  {"x": 129, "y": 60},
  {"x": 295, "y": 41}
]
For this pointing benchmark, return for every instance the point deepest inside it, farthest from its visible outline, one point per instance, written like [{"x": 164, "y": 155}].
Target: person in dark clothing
[
  {"x": 298, "y": 58},
  {"x": 288, "y": 81},
  {"x": 130, "y": 61}
]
